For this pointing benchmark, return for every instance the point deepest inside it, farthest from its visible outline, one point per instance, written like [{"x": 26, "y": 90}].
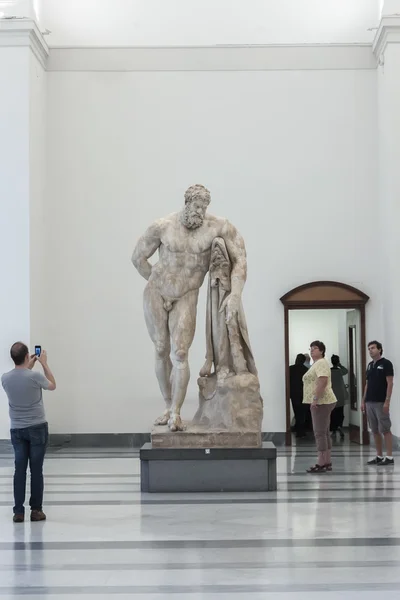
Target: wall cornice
[
  {"x": 388, "y": 33},
  {"x": 24, "y": 32},
  {"x": 215, "y": 58}
]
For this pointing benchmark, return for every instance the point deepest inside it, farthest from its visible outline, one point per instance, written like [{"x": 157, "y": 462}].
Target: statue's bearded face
[{"x": 194, "y": 212}]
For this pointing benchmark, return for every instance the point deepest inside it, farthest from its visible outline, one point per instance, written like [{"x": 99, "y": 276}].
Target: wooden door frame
[{"x": 324, "y": 295}]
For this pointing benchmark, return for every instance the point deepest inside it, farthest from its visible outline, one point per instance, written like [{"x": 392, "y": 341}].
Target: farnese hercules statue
[{"x": 191, "y": 243}]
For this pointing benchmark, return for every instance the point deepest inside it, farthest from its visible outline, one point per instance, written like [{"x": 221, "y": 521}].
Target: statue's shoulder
[
  {"x": 222, "y": 225},
  {"x": 164, "y": 223},
  {"x": 218, "y": 222}
]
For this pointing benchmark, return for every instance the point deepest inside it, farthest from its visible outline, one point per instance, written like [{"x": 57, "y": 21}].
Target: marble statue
[{"x": 190, "y": 243}]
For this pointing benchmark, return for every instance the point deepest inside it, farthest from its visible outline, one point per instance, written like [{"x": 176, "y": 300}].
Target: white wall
[
  {"x": 14, "y": 209},
  {"x": 290, "y": 158},
  {"x": 389, "y": 130},
  {"x": 329, "y": 326},
  {"x": 19, "y": 8},
  {"x": 39, "y": 287},
  {"x": 207, "y": 22},
  {"x": 390, "y": 7}
]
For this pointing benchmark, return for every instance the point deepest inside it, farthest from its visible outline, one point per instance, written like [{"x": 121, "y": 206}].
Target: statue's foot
[
  {"x": 175, "y": 423},
  {"x": 163, "y": 420}
]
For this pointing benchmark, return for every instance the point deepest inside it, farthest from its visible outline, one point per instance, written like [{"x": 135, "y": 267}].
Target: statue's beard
[{"x": 191, "y": 219}]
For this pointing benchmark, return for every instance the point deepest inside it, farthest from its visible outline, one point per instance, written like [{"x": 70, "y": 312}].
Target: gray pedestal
[{"x": 208, "y": 470}]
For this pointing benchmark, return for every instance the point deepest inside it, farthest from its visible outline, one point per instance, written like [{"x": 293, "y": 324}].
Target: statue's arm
[
  {"x": 146, "y": 246},
  {"x": 237, "y": 253}
]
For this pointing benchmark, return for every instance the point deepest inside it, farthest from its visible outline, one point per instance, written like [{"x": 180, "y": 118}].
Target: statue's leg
[
  {"x": 182, "y": 325},
  {"x": 157, "y": 324}
]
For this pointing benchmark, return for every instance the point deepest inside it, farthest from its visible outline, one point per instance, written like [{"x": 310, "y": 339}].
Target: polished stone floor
[{"x": 335, "y": 535}]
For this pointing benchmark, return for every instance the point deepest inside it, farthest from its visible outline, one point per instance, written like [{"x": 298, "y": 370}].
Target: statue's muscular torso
[{"x": 184, "y": 254}]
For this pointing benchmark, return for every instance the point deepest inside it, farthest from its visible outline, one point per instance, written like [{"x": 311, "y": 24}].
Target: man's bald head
[{"x": 19, "y": 351}]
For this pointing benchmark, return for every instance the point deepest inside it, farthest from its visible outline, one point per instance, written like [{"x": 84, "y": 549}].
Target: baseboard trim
[
  {"x": 123, "y": 440},
  {"x": 126, "y": 440},
  {"x": 99, "y": 440},
  {"x": 396, "y": 442},
  {"x": 136, "y": 440}
]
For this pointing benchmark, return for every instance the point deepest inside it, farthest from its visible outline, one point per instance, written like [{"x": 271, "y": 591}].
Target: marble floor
[{"x": 335, "y": 535}]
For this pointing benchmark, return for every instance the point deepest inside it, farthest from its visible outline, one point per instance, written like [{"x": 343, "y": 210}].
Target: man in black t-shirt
[{"x": 376, "y": 402}]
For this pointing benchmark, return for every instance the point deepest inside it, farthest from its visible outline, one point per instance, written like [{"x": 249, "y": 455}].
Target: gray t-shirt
[{"x": 24, "y": 391}]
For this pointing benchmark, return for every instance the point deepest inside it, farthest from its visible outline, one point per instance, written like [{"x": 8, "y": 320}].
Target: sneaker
[
  {"x": 375, "y": 461},
  {"x": 18, "y": 518},
  {"x": 386, "y": 462},
  {"x": 38, "y": 515}
]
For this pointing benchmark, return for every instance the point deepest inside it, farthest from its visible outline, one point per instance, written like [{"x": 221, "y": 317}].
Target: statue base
[
  {"x": 195, "y": 436},
  {"x": 165, "y": 470}
]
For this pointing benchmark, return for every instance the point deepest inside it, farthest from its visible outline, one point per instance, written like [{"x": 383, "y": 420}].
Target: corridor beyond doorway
[{"x": 340, "y": 331}]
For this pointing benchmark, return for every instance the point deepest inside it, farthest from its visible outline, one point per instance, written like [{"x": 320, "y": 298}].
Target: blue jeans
[{"x": 30, "y": 445}]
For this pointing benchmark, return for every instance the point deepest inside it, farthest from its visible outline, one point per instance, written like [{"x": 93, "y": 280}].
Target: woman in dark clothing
[
  {"x": 341, "y": 393},
  {"x": 297, "y": 372}
]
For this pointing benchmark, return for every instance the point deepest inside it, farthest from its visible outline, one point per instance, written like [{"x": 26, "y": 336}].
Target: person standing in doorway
[
  {"x": 318, "y": 393},
  {"x": 307, "y": 420},
  {"x": 341, "y": 393},
  {"x": 376, "y": 402},
  {"x": 297, "y": 372},
  {"x": 29, "y": 429}
]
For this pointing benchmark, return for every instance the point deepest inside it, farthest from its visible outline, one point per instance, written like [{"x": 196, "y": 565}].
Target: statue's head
[{"x": 197, "y": 199}]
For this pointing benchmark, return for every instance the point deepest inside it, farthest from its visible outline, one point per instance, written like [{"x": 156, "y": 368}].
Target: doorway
[{"x": 337, "y": 312}]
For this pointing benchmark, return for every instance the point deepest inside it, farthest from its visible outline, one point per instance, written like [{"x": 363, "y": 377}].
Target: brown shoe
[
  {"x": 18, "y": 518},
  {"x": 38, "y": 515}
]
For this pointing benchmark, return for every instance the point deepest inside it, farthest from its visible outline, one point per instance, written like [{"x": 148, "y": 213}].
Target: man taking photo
[{"x": 29, "y": 429}]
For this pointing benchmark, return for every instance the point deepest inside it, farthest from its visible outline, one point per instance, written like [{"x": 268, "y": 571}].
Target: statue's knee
[
  {"x": 162, "y": 349},
  {"x": 180, "y": 356}
]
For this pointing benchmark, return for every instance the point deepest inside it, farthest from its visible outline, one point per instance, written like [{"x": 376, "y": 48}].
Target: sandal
[
  {"x": 317, "y": 469},
  {"x": 328, "y": 466}
]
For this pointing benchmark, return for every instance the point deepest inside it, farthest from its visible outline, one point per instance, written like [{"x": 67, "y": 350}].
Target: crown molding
[
  {"x": 214, "y": 58},
  {"x": 24, "y": 32},
  {"x": 388, "y": 33}
]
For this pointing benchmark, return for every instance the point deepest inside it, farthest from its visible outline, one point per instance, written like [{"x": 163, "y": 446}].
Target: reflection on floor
[{"x": 334, "y": 535}]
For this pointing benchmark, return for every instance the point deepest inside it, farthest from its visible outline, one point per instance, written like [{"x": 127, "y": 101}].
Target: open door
[
  {"x": 326, "y": 295},
  {"x": 356, "y": 418}
]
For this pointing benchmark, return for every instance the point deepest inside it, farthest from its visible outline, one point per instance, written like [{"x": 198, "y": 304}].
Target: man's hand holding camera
[{"x": 42, "y": 359}]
